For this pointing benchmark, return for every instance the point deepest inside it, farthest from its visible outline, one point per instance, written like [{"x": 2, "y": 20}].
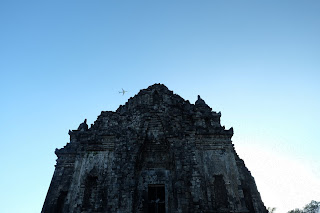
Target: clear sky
[{"x": 258, "y": 62}]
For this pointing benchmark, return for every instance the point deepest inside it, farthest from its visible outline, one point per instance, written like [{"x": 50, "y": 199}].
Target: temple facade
[{"x": 158, "y": 153}]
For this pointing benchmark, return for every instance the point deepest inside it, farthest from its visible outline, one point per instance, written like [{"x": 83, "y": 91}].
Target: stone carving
[
  {"x": 156, "y": 153},
  {"x": 83, "y": 126}
]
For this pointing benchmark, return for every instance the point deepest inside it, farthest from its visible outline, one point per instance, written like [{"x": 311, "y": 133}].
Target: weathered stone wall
[{"x": 157, "y": 139}]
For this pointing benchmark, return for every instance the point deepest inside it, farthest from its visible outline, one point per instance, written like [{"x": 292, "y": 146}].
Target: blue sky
[{"x": 258, "y": 62}]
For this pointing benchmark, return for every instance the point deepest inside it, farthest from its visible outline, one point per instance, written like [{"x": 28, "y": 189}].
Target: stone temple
[{"x": 156, "y": 154}]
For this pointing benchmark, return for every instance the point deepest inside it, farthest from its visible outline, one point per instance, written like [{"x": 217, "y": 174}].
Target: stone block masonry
[{"x": 156, "y": 154}]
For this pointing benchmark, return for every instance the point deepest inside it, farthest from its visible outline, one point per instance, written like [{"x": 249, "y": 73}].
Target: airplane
[{"x": 123, "y": 91}]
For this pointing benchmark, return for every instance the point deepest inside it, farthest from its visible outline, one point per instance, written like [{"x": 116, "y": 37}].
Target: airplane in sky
[{"x": 123, "y": 91}]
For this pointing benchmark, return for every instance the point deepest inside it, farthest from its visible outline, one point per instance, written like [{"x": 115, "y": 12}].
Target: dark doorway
[
  {"x": 60, "y": 201},
  {"x": 89, "y": 192},
  {"x": 156, "y": 198},
  {"x": 248, "y": 199},
  {"x": 220, "y": 192}
]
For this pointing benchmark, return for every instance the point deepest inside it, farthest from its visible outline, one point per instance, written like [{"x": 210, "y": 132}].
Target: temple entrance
[{"x": 156, "y": 198}]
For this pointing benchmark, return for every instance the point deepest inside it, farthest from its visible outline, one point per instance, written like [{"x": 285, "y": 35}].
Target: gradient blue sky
[{"x": 258, "y": 62}]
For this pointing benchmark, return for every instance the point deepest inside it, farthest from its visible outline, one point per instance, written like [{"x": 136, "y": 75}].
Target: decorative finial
[
  {"x": 200, "y": 101},
  {"x": 83, "y": 126}
]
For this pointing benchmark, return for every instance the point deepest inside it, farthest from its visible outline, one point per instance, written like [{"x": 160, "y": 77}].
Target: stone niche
[{"x": 158, "y": 153}]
